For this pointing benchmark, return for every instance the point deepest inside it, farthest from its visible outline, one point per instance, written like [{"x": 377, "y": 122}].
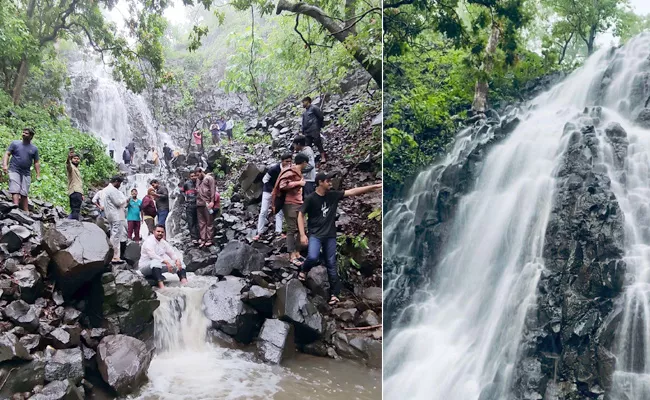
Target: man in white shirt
[
  {"x": 229, "y": 125},
  {"x": 99, "y": 199},
  {"x": 158, "y": 256},
  {"x": 111, "y": 148},
  {"x": 114, "y": 206}
]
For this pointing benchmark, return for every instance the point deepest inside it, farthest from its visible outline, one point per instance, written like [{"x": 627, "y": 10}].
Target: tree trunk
[
  {"x": 590, "y": 42},
  {"x": 564, "y": 48},
  {"x": 20, "y": 80},
  {"x": 337, "y": 30},
  {"x": 350, "y": 13},
  {"x": 479, "y": 105}
]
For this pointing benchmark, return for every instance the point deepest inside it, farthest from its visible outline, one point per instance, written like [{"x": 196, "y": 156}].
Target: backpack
[{"x": 278, "y": 196}]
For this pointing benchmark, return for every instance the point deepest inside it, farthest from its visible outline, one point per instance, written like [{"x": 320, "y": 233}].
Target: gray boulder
[
  {"x": 64, "y": 364},
  {"x": 11, "y": 348},
  {"x": 359, "y": 348},
  {"x": 76, "y": 258},
  {"x": 275, "y": 341},
  {"x": 260, "y": 299},
  {"x": 224, "y": 307},
  {"x": 132, "y": 253},
  {"x": 238, "y": 256},
  {"x": 123, "y": 362},
  {"x": 22, "y": 314},
  {"x": 21, "y": 378},
  {"x": 251, "y": 183},
  {"x": 65, "y": 336},
  {"x": 31, "y": 342},
  {"x": 318, "y": 282},
  {"x": 643, "y": 118},
  {"x": 29, "y": 282},
  {"x": 195, "y": 260},
  {"x": 291, "y": 305},
  {"x": 60, "y": 390}
]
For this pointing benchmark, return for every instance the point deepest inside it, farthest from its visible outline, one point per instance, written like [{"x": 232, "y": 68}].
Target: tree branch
[
  {"x": 398, "y": 4},
  {"x": 63, "y": 16},
  {"x": 349, "y": 25}
]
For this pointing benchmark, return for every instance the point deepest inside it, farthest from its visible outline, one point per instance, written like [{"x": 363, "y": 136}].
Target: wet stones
[
  {"x": 318, "y": 282},
  {"x": 11, "y": 348},
  {"x": 643, "y": 118},
  {"x": 240, "y": 257},
  {"x": 22, "y": 314},
  {"x": 228, "y": 313},
  {"x": 64, "y": 364},
  {"x": 260, "y": 299},
  {"x": 195, "y": 260},
  {"x": 77, "y": 260},
  {"x": 358, "y": 347},
  {"x": 60, "y": 390},
  {"x": 275, "y": 341},
  {"x": 293, "y": 306},
  {"x": 251, "y": 183},
  {"x": 21, "y": 377},
  {"x": 123, "y": 362}
]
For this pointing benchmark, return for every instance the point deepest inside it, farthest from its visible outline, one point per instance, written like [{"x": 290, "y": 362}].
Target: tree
[
  {"x": 36, "y": 24},
  {"x": 587, "y": 18}
]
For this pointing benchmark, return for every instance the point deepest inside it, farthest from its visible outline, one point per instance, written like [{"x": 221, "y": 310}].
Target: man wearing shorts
[{"x": 22, "y": 153}]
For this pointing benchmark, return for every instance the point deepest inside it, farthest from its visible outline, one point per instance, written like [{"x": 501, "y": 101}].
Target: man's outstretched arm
[{"x": 361, "y": 190}]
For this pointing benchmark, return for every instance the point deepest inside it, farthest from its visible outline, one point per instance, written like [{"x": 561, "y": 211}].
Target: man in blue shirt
[
  {"x": 22, "y": 153},
  {"x": 134, "y": 216}
]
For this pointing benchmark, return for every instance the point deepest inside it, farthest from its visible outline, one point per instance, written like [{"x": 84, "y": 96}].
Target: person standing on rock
[
  {"x": 321, "y": 208},
  {"x": 312, "y": 123},
  {"x": 288, "y": 192},
  {"x": 229, "y": 125},
  {"x": 111, "y": 149},
  {"x": 198, "y": 140},
  {"x": 162, "y": 201},
  {"x": 23, "y": 153},
  {"x": 75, "y": 185},
  {"x": 126, "y": 156},
  {"x": 99, "y": 199},
  {"x": 167, "y": 154},
  {"x": 269, "y": 180},
  {"x": 131, "y": 147},
  {"x": 158, "y": 256},
  {"x": 309, "y": 172},
  {"x": 189, "y": 190},
  {"x": 134, "y": 217},
  {"x": 206, "y": 190},
  {"x": 115, "y": 204},
  {"x": 149, "y": 211},
  {"x": 216, "y": 134}
]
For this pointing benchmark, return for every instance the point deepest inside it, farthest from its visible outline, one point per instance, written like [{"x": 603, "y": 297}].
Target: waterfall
[{"x": 460, "y": 336}]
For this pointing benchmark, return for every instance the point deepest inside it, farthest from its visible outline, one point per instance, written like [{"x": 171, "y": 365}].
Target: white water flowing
[{"x": 464, "y": 332}]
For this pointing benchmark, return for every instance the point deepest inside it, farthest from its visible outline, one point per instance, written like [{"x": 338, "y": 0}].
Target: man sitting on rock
[
  {"x": 158, "y": 256},
  {"x": 321, "y": 207}
]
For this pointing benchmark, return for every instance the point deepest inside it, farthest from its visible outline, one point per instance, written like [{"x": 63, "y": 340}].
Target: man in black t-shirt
[
  {"x": 269, "y": 180},
  {"x": 320, "y": 207},
  {"x": 189, "y": 190}
]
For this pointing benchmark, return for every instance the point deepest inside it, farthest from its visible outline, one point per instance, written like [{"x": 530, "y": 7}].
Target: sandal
[
  {"x": 333, "y": 300},
  {"x": 256, "y": 238},
  {"x": 207, "y": 244},
  {"x": 297, "y": 262},
  {"x": 302, "y": 277}
]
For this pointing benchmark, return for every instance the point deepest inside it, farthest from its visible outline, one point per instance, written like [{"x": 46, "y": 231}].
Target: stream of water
[{"x": 465, "y": 328}]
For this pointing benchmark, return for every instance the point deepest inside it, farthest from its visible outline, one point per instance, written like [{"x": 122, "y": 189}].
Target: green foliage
[
  {"x": 54, "y": 135},
  {"x": 352, "y": 119}
]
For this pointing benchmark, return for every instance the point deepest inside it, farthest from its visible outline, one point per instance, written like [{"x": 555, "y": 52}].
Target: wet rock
[
  {"x": 131, "y": 287},
  {"x": 20, "y": 216},
  {"x": 358, "y": 348},
  {"x": 222, "y": 339},
  {"x": 64, "y": 364},
  {"x": 275, "y": 341},
  {"x": 22, "y": 314},
  {"x": 251, "y": 183},
  {"x": 91, "y": 337},
  {"x": 369, "y": 318},
  {"x": 123, "y": 362},
  {"x": 71, "y": 315},
  {"x": 65, "y": 336},
  {"x": 643, "y": 119},
  {"x": 77, "y": 260},
  {"x": 29, "y": 283},
  {"x": 292, "y": 305},
  {"x": 132, "y": 253},
  {"x": 345, "y": 315},
  {"x": 21, "y": 377},
  {"x": 31, "y": 342},
  {"x": 240, "y": 257},
  {"x": 224, "y": 307},
  {"x": 41, "y": 261},
  {"x": 372, "y": 295},
  {"x": 318, "y": 282},
  {"x": 260, "y": 299},
  {"x": 60, "y": 390},
  {"x": 11, "y": 348},
  {"x": 195, "y": 260},
  {"x": 13, "y": 241}
]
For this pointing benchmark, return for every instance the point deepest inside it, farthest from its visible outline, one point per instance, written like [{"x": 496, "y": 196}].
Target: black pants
[
  {"x": 192, "y": 222},
  {"x": 309, "y": 188},
  {"x": 111, "y": 153},
  {"x": 158, "y": 275},
  {"x": 315, "y": 140},
  {"x": 75, "y": 206}
]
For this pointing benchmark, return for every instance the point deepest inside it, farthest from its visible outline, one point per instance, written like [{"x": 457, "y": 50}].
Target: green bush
[{"x": 54, "y": 135}]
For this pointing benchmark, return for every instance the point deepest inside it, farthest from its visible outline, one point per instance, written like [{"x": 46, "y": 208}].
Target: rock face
[
  {"x": 228, "y": 313},
  {"x": 123, "y": 362},
  {"x": 569, "y": 337},
  {"x": 293, "y": 306},
  {"x": 76, "y": 258},
  {"x": 129, "y": 301},
  {"x": 275, "y": 341},
  {"x": 240, "y": 257}
]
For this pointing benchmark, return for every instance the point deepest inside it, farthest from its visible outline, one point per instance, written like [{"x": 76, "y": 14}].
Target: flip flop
[
  {"x": 333, "y": 301},
  {"x": 297, "y": 262},
  {"x": 302, "y": 277}
]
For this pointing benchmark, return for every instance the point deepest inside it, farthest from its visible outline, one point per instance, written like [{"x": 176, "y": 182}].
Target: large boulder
[
  {"x": 11, "y": 348},
  {"x": 238, "y": 256},
  {"x": 195, "y": 260},
  {"x": 132, "y": 253},
  {"x": 22, "y": 314},
  {"x": 123, "y": 362},
  {"x": 291, "y": 305},
  {"x": 129, "y": 298},
  {"x": 318, "y": 282},
  {"x": 14, "y": 237},
  {"x": 251, "y": 183},
  {"x": 20, "y": 378},
  {"x": 260, "y": 299},
  {"x": 64, "y": 364},
  {"x": 275, "y": 341},
  {"x": 643, "y": 118},
  {"x": 79, "y": 250},
  {"x": 359, "y": 348},
  {"x": 224, "y": 307}
]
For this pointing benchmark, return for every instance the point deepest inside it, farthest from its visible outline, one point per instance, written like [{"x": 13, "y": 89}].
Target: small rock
[{"x": 275, "y": 341}]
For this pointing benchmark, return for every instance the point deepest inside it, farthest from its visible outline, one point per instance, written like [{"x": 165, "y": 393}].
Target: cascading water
[{"x": 463, "y": 331}]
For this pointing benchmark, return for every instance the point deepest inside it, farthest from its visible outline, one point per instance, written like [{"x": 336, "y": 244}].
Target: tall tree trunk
[
  {"x": 337, "y": 30},
  {"x": 20, "y": 80},
  {"x": 591, "y": 40},
  {"x": 479, "y": 105},
  {"x": 566, "y": 45},
  {"x": 350, "y": 13}
]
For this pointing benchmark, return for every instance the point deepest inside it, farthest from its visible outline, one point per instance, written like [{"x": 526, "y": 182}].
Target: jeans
[
  {"x": 264, "y": 213},
  {"x": 192, "y": 222},
  {"x": 133, "y": 231},
  {"x": 75, "y": 206},
  {"x": 329, "y": 249},
  {"x": 162, "y": 217},
  {"x": 291, "y": 218},
  {"x": 155, "y": 269}
]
